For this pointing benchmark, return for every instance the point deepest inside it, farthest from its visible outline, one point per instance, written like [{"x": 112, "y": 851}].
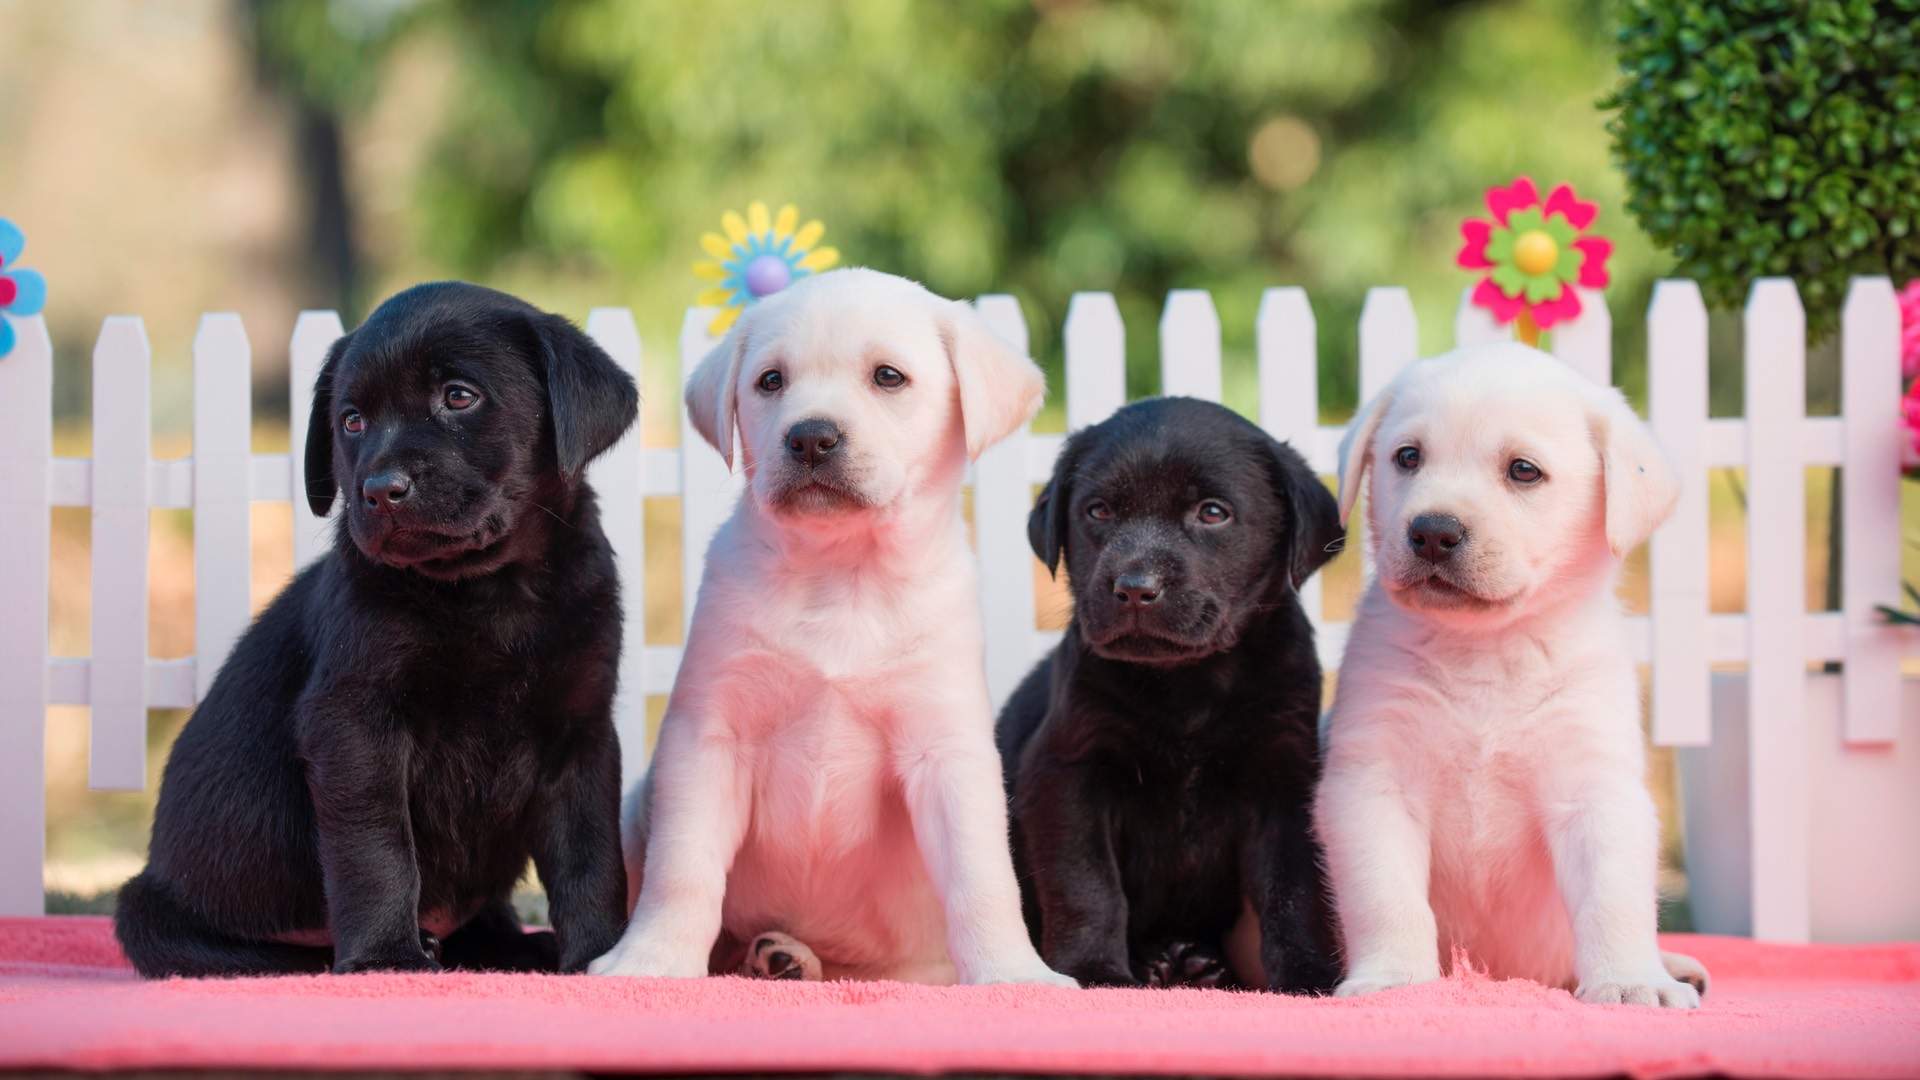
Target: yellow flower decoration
[{"x": 759, "y": 255}]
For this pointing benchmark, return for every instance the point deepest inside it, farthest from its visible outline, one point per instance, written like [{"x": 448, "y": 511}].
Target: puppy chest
[
  {"x": 1483, "y": 812},
  {"x": 822, "y": 777},
  {"x": 1179, "y": 839}
]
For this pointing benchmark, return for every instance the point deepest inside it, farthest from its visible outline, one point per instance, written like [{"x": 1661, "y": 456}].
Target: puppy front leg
[
  {"x": 357, "y": 775},
  {"x": 576, "y": 849},
  {"x": 1281, "y": 866},
  {"x": 701, "y": 801},
  {"x": 1604, "y": 841},
  {"x": 1378, "y": 855},
  {"x": 959, "y": 809},
  {"x": 1076, "y": 877}
]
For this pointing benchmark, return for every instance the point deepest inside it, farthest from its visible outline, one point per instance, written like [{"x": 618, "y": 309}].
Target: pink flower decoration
[
  {"x": 1535, "y": 254},
  {"x": 1910, "y": 330},
  {"x": 1502, "y": 201},
  {"x": 1910, "y": 413}
]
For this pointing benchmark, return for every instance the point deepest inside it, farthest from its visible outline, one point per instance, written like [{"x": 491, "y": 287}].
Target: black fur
[
  {"x": 430, "y": 704},
  {"x": 1161, "y": 762}
]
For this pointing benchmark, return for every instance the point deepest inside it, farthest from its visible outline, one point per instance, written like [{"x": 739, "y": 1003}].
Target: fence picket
[
  {"x": 1287, "y": 342},
  {"x": 1776, "y": 396},
  {"x": 222, "y": 492},
  {"x": 122, "y": 443},
  {"x": 26, "y": 447},
  {"x": 1190, "y": 345},
  {"x": 314, "y": 332},
  {"x": 616, "y": 480},
  {"x": 1389, "y": 341},
  {"x": 1002, "y": 496},
  {"x": 707, "y": 490},
  {"x": 1389, "y": 338},
  {"x": 1586, "y": 344},
  {"x": 1677, "y": 408},
  {"x": 1870, "y": 505},
  {"x": 1475, "y": 325},
  {"x": 1096, "y": 359}
]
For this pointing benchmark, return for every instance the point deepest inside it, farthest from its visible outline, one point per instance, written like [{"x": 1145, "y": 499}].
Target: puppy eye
[
  {"x": 352, "y": 422},
  {"x": 1099, "y": 511},
  {"x": 1407, "y": 457},
  {"x": 1213, "y": 512},
  {"x": 887, "y": 378},
  {"x": 770, "y": 382},
  {"x": 1523, "y": 471},
  {"x": 458, "y": 397}
]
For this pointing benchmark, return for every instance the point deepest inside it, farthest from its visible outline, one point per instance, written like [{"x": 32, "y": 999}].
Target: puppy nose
[
  {"x": 1137, "y": 588},
  {"x": 385, "y": 491},
  {"x": 812, "y": 440},
  {"x": 1434, "y": 537}
]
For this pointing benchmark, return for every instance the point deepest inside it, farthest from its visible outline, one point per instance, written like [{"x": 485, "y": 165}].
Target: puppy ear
[
  {"x": 1356, "y": 450},
  {"x": 1315, "y": 532},
  {"x": 999, "y": 388},
  {"x": 1640, "y": 485},
  {"x": 592, "y": 400},
  {"x": 1047, "y": 521},
  {"x": 713, "y": 394},
  {"x": 321, "y": 483}
]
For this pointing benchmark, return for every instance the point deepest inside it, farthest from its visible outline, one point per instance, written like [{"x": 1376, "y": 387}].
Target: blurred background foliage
[{"x": 578, "y": 148}]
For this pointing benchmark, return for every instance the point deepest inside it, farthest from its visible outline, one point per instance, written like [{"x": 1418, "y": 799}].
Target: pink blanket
[{"x": 67, "y": 1000}]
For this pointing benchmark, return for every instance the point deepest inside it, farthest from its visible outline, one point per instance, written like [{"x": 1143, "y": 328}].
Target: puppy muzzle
[
  {"x": 1440, "y": 574},
  {"x": 1143, "y": 617},
  {"x": 815, "y": 473},
  {"x": 406, "y": 533}
]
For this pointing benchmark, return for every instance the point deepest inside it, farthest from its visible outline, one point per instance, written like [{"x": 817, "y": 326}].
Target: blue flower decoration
[
  {"x": 22, "y": 292},
  {"x": 759, "y": 255}
]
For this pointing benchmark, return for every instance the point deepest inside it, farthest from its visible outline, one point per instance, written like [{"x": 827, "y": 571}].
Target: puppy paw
[
  {"x": 406, "y": 956},
  {"x": 1096, "y": 971},
  {"x": 1024, "y": 972},
  {"x": 1362, "y": 983},
  {"x": 1659, "y": 991},
  {"x": 1183, "y": 963},
  {"x": 774, "y": 955},
  {"x": 1687, "y": 970},
  {"x": 642, "y": 956}
]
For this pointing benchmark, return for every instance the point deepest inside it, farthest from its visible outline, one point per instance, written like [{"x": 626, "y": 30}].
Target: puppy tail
[
  {"x": 1686, "y": 969},
  {"x": 163, "y": 937}
]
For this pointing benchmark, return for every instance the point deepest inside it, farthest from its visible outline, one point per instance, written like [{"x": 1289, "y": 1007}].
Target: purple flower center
[{"x": 768, "y": 274}]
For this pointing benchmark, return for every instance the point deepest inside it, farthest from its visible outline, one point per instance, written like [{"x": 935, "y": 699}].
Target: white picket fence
[{"x": 1776, "y": 639}]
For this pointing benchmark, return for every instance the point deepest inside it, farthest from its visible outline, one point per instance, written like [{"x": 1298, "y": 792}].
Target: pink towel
[{"x": 68, "y": 1001}]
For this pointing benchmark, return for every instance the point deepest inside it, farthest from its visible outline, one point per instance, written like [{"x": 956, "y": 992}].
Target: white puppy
[
  {"x": 1484, "y": 787},
  {"x": 826, "y": 799}
]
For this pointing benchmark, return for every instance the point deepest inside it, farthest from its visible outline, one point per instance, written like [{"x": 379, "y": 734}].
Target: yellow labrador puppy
[
  {"x": 826, "y": 797},
  {"x": 1484, "y": 785}
]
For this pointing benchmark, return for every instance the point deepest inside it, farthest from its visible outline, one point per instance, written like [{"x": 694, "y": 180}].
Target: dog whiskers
[{"x": 551, "y": 514}]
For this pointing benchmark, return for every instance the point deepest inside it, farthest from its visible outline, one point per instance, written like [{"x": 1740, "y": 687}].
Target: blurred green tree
[
  {"x": 1031, "y": 146},
  {"x": 324, "y": 61}
]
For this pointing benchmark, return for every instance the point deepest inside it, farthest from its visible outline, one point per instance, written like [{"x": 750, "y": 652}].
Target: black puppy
[
  {"x": 430, "y": 704},
  {"x": 1161, "y": 761}
]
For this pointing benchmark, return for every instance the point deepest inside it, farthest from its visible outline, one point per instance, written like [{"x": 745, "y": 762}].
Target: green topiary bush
[{"x": 1773, "y": 137}]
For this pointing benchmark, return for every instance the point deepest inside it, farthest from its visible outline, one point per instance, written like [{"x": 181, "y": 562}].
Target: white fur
[
  {"x": 826, "y": 768},
  {"x": 1484, "y": 785}
]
